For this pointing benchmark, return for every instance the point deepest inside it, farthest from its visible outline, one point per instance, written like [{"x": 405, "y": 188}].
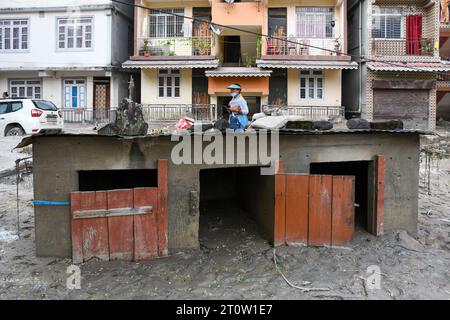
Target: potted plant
[
  {"x": 426, "y": 47},
  {"x": 146, "y": 48}
]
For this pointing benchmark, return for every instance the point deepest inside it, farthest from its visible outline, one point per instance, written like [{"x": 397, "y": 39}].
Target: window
[
  {"x": 168, "y": 83},
  {"x": 29, "y": 88},
  {"x": 75, "y": 33},
  {"x": 13, "y": 34},
  {"x": 311, "y": 84},
  {"x": 45, "y": 105},
  {"x": 386, "y": 23},
  {"x": 165, "y": 25},
  {"x": 315, "y": 22},
  {"x": 3, "y": 107},
  {"x": 74, "y": 93},
  {"x": 16, "y": 105}
]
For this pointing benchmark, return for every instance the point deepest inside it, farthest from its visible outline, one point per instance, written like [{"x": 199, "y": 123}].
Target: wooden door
[{"x": 101, "y": 99}]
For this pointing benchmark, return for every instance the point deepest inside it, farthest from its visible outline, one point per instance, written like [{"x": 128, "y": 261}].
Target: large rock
[
  {"x": 129, "y": 121},
  {"x": 309, "y": 125},
  {"x": 387, "y": 125},
  {"x": 358, "y": 123}
]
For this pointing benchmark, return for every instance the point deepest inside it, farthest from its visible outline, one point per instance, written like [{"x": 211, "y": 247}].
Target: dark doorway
[
  {"x": 278, "y": 87},
  {"x": 199, "y": 87},
  {"x": 232, "y": 49},
  {"x": 364, "y": 191},
  {"x": 277, "y": 21},
  {"x": 227, "y": 199},
  {"x": 96, "y": 180}
]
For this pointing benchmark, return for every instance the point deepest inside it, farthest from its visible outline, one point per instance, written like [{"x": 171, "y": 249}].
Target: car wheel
[{"x": 15, "y": 131}]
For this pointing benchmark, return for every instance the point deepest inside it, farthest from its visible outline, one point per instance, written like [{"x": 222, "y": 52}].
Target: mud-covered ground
[{"x": 234, "y": 262}]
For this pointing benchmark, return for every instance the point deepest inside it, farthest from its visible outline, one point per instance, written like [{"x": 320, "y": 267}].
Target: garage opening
[
  {"x": 364, "y": 191},
  {"x": 236, "y": 206},
  {"x": 99, "y": 180}
]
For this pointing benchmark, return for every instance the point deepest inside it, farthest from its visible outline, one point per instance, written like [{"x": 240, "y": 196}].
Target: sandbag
[
  {"x": 387, "y": 125},
  {"x": 358, "y": 123}
]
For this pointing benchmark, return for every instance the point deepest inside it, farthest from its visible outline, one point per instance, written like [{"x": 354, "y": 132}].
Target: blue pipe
[{"x": 50, "y": 203}]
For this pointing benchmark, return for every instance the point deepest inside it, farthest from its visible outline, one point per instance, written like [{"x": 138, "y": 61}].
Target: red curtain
[{"x": 413, "y": 34}]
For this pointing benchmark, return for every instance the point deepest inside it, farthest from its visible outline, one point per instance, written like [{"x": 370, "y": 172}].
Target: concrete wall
[
  {"x": 54, "y": 179},
  {"x": 331, "y": 89}
]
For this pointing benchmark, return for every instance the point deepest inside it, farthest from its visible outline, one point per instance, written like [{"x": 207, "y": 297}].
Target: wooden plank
[
  {"x": 121, "y": 239},
  {"x": 380, "y": 164},
  {"x": 77, "y": 229},
  {"x": 162, "y": 217},
  {"x": 279, "y": 228},
  {"x": 95, "y": 230},
  {"x": 297, "y": 206},
  {"x": 319, "y": 222},
  {"x": 103, "y": 213},
  {"x": 145, "y": 226},
  {"x": 343, "y": 210}
]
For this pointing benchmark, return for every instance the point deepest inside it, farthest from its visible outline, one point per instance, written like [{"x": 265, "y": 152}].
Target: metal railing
[
  {"x": 403, "y": 47},
  {"x": 303, "y": 46},
  {"x": 180, "y": 46},
  {"x": 84, "y": 115},
  {"x": 174, "y": 112},
  {"x": 311, "y": 112}
]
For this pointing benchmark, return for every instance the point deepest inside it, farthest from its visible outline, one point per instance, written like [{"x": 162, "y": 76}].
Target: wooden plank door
[
  {"x": 320, "y": 200},
  {"x": 297, "y": 202}
]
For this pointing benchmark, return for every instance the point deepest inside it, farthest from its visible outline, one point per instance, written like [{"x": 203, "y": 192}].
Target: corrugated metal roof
[
  {"x": 238, "y": 72},
  {"x": 171, "y": 64},
  {"x": 409, "y": 66},
  {"x": 303, "y": 64}
]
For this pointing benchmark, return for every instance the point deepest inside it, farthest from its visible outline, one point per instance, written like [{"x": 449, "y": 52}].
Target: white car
[{"x": 19, "y": 116}]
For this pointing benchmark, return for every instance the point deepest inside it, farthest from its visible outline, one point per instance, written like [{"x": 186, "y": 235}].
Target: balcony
[
  {"x": 174, "y": 112},
  {"x": 312, "y": 113},
  {"x": 303, "y": 47},
  {"x": 403, "y": 47},
  {"x": 181, "y": 46}
]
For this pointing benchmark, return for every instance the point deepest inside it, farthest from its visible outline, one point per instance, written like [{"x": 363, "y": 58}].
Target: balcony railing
[
  {"x": 84, "y": 115},
  {"x": 174, "y": 112},
  {"x": 403, "y": 47},
  {"x": 312, "y": 112},
  {"x": 181, "y": 46},
  {"x": 443, "y": 77},
  {"x": 303, "y": 46}
]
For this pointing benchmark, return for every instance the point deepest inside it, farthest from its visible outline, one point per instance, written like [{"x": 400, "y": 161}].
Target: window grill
[
  {"x": 165, "y": 25},
  {"x": 314, "y": 22}
]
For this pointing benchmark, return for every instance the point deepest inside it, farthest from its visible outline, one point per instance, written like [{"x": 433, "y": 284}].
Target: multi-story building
[
  {"x": 398, "y": 41},
  {"x": 69, "y": 52},
  {"x": 443, "y": 79},
  {"x": 187, "y": 64}
]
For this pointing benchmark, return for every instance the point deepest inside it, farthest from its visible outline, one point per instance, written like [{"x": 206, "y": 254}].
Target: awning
[
  {"x": 409, "y": 66},
  {"x": 305, "y": 64},
  {"x": 170, "y": 64},
  {"x": 238, "y": 72}
]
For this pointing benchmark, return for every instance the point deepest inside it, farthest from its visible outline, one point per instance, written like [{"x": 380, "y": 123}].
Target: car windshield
[{"x": 45, "y": 105}]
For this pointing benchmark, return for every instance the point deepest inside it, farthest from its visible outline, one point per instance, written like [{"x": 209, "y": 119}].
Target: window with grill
[
  {"x": 29, "y": 88},
  {"x": 314, "y": 22},
  {"x": 14, "y": 34},
  {"x": 165, "y": 25},
  {"x": 386, "y": 23},
  {"x": 168, "y": 83},
  {"x": 311, "y": 84},
  {"x": 75, "y": 33}
]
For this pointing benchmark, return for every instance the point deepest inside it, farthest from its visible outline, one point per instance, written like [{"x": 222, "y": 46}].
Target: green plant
[
  {"x": 145, "y": 47},
  {"x": 426, "y": 46}
]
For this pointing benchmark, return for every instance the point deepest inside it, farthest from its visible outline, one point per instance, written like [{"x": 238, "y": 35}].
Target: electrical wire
[{"x": 360, "y": 58}]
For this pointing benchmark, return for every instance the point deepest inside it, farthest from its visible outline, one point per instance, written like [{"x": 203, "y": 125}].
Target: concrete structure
[
  {"x": 301, "y": 151},
  {"x": 409, "y": 45},
  {"x": 69, "y": 52},
  {"x": 291, "y": 69}
]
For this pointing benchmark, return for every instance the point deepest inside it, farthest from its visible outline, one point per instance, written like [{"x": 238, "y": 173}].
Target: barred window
[
  {"x": 386, "y": 23},
  {"x": 314, "y": 22},
  {"x": 75, "y": 33},
  {"x": 168, "y": 83},
  {"x": 14, "y": 34},
  {"x": 311, "y": 84},
  {"x": 165, "y": 25}
]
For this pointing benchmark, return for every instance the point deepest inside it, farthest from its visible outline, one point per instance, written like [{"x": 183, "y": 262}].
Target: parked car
[{"x": 19, "y": 116}]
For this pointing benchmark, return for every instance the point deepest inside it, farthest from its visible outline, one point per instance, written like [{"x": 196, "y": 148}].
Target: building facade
[
  {"x": 186, "y": 64},
  {"x": 69, "y": 52},
  {"x": 396, "y": 79},
  {"x": 443, "y": 80}
]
